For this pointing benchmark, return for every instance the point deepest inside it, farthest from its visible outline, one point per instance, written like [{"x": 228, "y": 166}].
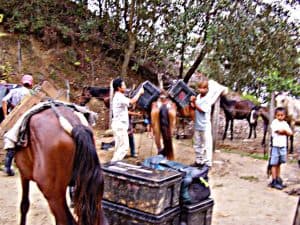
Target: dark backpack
[{"x": 194, "y": 186}]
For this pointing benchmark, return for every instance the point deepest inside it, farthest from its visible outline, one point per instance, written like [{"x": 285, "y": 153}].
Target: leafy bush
[{"x": 251, "y": 98}]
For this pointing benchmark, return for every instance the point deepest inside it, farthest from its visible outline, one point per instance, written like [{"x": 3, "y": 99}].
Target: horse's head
[
  {"x": 281, "y": 100},
  {"x": 85, "y": 96}
]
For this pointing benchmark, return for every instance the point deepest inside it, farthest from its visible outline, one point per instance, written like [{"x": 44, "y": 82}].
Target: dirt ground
[{"x": 237, "y": 179}]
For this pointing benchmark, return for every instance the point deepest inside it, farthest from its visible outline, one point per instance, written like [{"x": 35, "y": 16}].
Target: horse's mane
[{"x": 166, "y": 132}]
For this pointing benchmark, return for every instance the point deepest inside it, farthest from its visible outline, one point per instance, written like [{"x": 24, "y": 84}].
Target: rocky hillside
[{"x": 81, "y": 65}]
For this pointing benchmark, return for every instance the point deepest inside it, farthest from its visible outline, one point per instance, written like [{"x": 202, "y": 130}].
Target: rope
[{"x": 65, "y": 124}]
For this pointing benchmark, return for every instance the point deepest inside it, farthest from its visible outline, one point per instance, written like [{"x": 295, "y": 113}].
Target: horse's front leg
[
  {"x": 226, "y": 128},
  {"x": 263, "y": 142},
  {"x": 231, "y": 128},
  {"x": 291, "y": 144},
  {"x": 25, "y": 200},
  {"x": 251, "y": 128},
  {"x": 292, "y": 125},
  {"x": 254, "y": 129}
]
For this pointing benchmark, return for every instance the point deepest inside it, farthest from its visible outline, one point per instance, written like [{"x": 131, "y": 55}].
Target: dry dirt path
[{"x": 238, "y": 183}]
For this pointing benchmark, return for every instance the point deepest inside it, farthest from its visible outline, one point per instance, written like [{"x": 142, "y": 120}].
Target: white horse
[{"x": 292, "y": 106}]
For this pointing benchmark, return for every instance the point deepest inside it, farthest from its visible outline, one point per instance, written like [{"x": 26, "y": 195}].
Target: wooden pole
[
  {"x": 111, "y": 94},
  {"x": 19, "y": 56},
  {"x": 271, "y": 116},
  {"x": 215, "y": 122},
  {"x": 68, "y": 90},
  {"x": 297, "y": 214}
]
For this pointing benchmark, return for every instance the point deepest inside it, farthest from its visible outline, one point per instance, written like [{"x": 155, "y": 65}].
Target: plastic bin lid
[{"x": 141, "y": 173}]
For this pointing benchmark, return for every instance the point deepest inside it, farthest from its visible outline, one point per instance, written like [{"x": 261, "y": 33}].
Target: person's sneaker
[
  {"x": 9, "y": 171},
  {"x": 135, "y": 155},
  {"x": 276, "y": 185},
  {"x": 280, "y": 181}
]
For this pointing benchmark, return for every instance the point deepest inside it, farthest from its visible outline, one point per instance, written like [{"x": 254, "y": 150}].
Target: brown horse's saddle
[{"x": 19, "y": 130}]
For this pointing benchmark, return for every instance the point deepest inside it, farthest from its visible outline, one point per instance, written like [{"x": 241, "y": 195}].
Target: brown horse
[
  {"x": 55, "y": 158},
  {"x": 163, "y": 120},
  {"x": 238, "y": 110}
]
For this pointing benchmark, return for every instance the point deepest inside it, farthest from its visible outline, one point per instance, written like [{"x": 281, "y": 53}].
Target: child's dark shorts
[{"x": 278, "y": 156}]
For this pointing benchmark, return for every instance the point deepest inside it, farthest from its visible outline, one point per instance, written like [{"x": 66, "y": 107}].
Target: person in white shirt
[
  {"x": 202, "y": 133},
  {"x": 14, "y": 97},
  {"x": 120, "y": 120},
  {"x": 280, "y": 130}
]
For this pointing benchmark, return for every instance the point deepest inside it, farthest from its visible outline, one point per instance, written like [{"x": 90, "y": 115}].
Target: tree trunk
[
  {"x": 85, "y": 3},
  {"x": 128, "y": 53},
  {"x": 100, "y": 8},
  {"x": 197, "y": 62},
  {"x": 181, "y": 60}
]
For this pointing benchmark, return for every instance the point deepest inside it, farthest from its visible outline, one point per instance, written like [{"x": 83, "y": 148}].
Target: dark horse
[
  {"x": 57, "y": 155},
  {"x": 101, "y": 93},
  {"x": 238, "y": 110}
]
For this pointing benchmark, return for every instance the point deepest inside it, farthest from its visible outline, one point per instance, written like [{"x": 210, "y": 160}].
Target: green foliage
[
  {"x": 88, "y": 28},
  {"x": 250, "y": 43},
  {"x": 251, "y": 98},
  {"x": 238, "y": 43},
  {"x": 5, "y": 69},
  {"x": 66, "y": 17},
  {"x": 274, "y": 82}
]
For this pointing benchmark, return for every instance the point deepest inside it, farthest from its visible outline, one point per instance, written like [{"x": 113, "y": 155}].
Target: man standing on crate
[
  {"x": 14, "y": 97},
  {"x": 120, "y": 120}
]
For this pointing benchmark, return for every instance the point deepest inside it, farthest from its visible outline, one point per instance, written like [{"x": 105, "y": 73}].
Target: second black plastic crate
[
  {"x": 181, "y": 93},
  {"x": 121, "y": 215},
  {"x": 151, "y": 94},
  {"x": 197, "y": 214}
]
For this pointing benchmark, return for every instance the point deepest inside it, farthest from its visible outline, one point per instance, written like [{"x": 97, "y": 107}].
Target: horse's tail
[
  {"x": 166, "y": 132},
  {"x": 88, "y": 178}
]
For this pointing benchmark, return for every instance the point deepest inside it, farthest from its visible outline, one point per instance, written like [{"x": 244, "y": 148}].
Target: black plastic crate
[
  {"x": 181, "y": 93},
  {"x": 197, "y": 214},
  {"x": 151, "y": 94},
  {"x": 137, "y": 187},
  {"x": 122, "y": 215}
]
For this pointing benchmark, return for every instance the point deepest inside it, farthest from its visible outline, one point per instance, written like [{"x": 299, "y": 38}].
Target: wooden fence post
[{"x": 215, "y": 122}]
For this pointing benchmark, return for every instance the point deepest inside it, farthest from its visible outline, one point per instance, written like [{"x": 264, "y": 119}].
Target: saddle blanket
[{"x": 17, "y": 135}]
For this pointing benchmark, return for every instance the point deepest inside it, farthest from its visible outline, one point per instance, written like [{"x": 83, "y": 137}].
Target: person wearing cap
[
  {"x": 13, "y": 98},
  {"x": 120, "y": 120}
]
